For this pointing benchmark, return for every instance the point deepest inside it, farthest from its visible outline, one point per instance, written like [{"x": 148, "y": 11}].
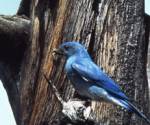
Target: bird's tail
[{"x": 130, "y": 107}]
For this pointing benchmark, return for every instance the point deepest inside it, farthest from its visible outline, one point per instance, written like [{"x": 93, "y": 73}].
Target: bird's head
[{"x": 69, "y": 49}]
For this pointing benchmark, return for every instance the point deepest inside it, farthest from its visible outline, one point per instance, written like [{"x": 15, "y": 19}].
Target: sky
[
  {"x": 6, "y": 115},
  {"x": 147, "y": 6},
  {"x": 9, "y": 7}
]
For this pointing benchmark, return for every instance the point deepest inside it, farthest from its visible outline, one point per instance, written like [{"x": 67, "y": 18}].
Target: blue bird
[{"x": 89, "y": 80}]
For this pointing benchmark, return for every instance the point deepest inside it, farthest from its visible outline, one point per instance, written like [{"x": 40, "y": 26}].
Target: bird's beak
[{"x": 58, "y": 51}]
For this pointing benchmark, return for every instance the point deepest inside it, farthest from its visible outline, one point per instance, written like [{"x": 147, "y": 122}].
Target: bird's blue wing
[{"x": 91, "y": 72}]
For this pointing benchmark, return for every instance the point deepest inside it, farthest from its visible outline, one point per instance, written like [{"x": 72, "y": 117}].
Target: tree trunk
[{"x": 116, "y": 35}]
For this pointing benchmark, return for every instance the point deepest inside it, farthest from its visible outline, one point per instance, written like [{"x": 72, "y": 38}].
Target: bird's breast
[{"x": 80, "y": 85}]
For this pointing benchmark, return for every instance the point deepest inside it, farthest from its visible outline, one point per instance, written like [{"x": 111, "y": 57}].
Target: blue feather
[{"x": 94, "y": 74}]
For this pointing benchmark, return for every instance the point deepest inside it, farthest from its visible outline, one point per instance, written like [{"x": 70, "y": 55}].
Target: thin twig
[{"x": 55, "y": 90}]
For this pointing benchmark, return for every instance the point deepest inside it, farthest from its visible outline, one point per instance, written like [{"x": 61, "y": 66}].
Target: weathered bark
[
  {"x": 14, "y": 34},
  {"x": 24, "y": 8},
  {"x": 114, "y": 33},
  {"x": 122, "y": 54},
  {"x": 14, "y": 37},
  {"x": 147, "y": 38}
]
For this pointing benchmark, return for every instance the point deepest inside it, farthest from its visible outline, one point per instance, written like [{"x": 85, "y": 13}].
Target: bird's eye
[{"x": 66, "y": 47}]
